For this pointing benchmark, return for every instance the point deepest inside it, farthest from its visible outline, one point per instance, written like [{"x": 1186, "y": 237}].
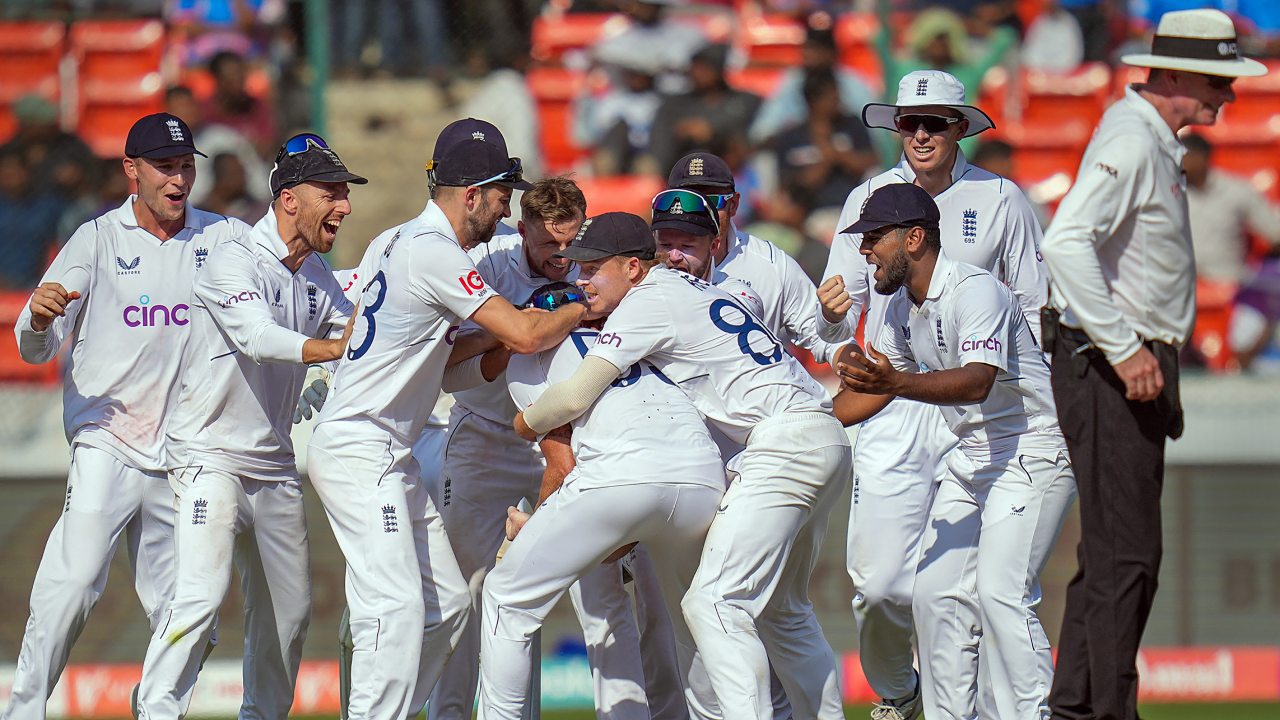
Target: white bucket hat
[
  {"x": 926, "y": 87},
  {"x": 1199, "y": 41}
]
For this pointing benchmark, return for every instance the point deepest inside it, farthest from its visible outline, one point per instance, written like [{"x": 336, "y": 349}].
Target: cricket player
[
  {"x": 264, "y": 306},
  {"x": 986, "y": 222},
  {"x": 761, "y": 548},
  {"x": 120, "y": 291},
  {"x": 486, "y": 466},
  {"x": 408, "y": 598},
  {"x": 955, "y": 337},
  {"x": 625, "y": 488}
]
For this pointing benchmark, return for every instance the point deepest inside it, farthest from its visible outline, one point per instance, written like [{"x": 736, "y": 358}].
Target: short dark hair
[
  {"x": 991, "y": 150},
  {"x": 221, "y": 58},
  {"x": 1196, "y": 143},
  {"x": 933, "y": 238},
  {"x": 178, "y": 91},
  {"x": 817, "y": 82}
]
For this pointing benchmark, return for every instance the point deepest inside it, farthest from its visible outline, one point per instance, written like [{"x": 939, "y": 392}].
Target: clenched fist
[
  {"x": 834, "y": 298},
  {"x": 49, "y": 301}
]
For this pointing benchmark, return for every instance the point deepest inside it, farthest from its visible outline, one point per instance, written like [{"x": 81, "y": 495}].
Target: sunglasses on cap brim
[
  {"x": 299, "y": 144},
  {"x": 689, "y": 202},
  {"x": 932, "y": 124},
  {"x": 513, "y": 174}
]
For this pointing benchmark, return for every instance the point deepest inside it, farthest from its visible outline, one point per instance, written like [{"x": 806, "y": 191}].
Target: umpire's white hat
[
  {"x": 926, "y": 87},
  {"x": 1199, "y": 41}
]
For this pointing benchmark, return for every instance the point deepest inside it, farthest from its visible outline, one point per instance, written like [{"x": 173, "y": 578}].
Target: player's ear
[
  {"x": 734, "y": 201},
  {"x": 130, "y": 168}
]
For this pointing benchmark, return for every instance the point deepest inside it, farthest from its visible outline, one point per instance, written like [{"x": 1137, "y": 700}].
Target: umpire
[{"x": 1122, "y": 302}]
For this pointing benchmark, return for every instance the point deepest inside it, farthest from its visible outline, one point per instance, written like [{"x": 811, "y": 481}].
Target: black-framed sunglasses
[{"x": 932, "y": 124}]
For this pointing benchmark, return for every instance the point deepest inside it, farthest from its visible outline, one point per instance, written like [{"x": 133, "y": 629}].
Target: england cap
[
  {"x": 899, "y": 205},
  {"x": 473, "y": 152},
  {"x": 609, "y": 234},
  {"x": 159, "y": 136}
]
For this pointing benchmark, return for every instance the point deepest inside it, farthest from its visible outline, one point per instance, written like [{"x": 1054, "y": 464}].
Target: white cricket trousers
[
  {"x": 567, "y": 537},
  {"x": 261, "y": 528},
  {"x": 751, "y": 591},
  {"x": 486, "y": 469},
  {"x": 106, "y": 498},
  {"x": 992, "y": 526},
  {"x": 407, "y": 597},
  {"x": 898, "y": 463}
]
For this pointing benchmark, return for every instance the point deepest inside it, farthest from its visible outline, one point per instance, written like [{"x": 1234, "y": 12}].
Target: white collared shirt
[
  {"x": 970, "y": 317},
  {"x": 707, "y": 341},
  {"x": 504, "y": 265},
  {"x": 784, "y": 289},
  {"x": 1119, "y": 248},
  {"x": 387, "y": 382},
  {"x": 243, "y": 369},
  {"x": 128, "y": 328},
  {"x": 986, "y": 221}
]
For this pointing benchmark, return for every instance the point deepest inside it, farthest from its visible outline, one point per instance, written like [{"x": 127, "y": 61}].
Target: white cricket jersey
[
  {"x": 127, "y": 330},
  {"x": 389, "y": 379},
  {"x": 505, "y": 268},
  {"x": 733, "y": 367},
  {"x": 970, "y": 317},
  {"x": 787, "y": 293},
  {"x": 986, "y": 221},
  {"x": 666, "y": 440},
  {"x": 244, "y": 369}
]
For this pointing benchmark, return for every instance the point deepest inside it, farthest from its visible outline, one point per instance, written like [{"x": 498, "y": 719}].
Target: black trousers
[{"x": 1117, "y": 450}]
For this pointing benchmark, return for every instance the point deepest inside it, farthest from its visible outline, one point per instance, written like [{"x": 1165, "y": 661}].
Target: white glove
[{"x": 314, "y": 390}]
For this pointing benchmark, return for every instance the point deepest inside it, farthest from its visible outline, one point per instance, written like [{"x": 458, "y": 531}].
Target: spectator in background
[
  {"x": 711, "y": 116},
  {"x": 502, "y": 94},
  {"x": 996, "y": 156},
  {"x": 232, "y": 105},
  {"x": 787, "y": 107},
  {"x": 105, "y": 190},
  {"x": 787, "y": 227},
  {"x": 1223, "y": 209},
  {"x": 652, "y": 37},
  {"x": 29, "y": 217},
  {"x": 204, "y": 28},
  {"x": 937, "y": 40},
  {"x": 217, "y": 139},
  {"x": 825, "y": 156},
  {"x": 1094, "y": 18},
  {"x": 1054, "y": 42},
  {"x": 230, "y": 193},
  {"x": 616, "y": 125},
  {"x": 57, "y": 161},
  {"x": 412, "y": 37}
]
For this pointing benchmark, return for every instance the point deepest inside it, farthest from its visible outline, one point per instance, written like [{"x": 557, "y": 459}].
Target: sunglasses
[
  {"x": 551, "y": 301},
  {"x": 932, "y": 124},
  {"x": 299, "y": 144},
  {"x": 1217, "y": 82},
  {"x": 513, "y": 174},
  {"x": 691, "y": 202}
]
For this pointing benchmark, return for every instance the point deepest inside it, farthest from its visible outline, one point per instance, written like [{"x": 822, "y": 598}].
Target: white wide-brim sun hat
[
  {"x": 921, "y": 88},
  {"x": 1198, "y": 41}
]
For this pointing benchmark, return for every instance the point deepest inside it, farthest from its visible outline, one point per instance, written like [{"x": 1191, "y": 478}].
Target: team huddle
[{"x": 629, "y": 378}]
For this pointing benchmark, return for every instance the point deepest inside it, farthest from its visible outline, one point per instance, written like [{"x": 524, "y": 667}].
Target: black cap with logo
[
  {"x": 473, "y": 152},
  {"x": 307, "y": 158},
  {"x": 701, "y": 169},
  {"x": 609, "y": 234},
  {"x": 159, "y": 136},
  {"x": 899, "y": 205}
]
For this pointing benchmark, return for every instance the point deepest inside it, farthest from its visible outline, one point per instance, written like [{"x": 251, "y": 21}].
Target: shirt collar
[
  {"x": 1145, "y": 110},
  {"x": 737, "y": 241},
  {"x": 941, "y": 271},
  {"x": 266, "y": 233},
  {"x": 434, "y": 216},
  {"x": 129, "y": 218},
  {"x": 958, "y": 170}
]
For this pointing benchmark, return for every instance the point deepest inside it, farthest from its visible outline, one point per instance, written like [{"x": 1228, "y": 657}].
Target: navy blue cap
[
  {"x": 473, "y": 152},
  {"x": 306, "y": 157},
  {"x": 900, "y": 205},
  {"x": 701, "y": 169},
  {"x": 159, "y": 136},
  {"x": 609, "y": 234}
]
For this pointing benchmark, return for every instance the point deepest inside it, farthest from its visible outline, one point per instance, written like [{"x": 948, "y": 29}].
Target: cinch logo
[
  {"x": 613, "y": 339},
  {"x": 144, "y": 314},
  {"x": 471, "y": 282},
  {"x": 973, "y": 342},
  {"x": 242, "y": 296}
]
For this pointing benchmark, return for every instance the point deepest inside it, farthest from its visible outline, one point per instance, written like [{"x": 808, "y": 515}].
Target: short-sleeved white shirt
[
  {"x": 733, "y": 367},
  {"x": 503, "y": 264},
  {"x": 970, "y": 317},
  {"x": 389, "y": 379},
  {"x": 666, "y": 440},
  {"x": 127, "y": 330},
  {"x": 249, "y": 320}
]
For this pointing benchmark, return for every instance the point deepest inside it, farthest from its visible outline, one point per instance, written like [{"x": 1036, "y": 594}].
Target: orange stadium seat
[
  {"x": 993, "y": 95},
  {"x": 30, "y": 53},
  {"x": 554, "y": 34},
  {"x": 117, "y": 49},
  {"x": 108, "y": 108},
  {"x": 1082, "y": 94},
  {"x": 1124, "y": 76},
  {"x": 553, "y": 90},
  {"x": 1250, "y": 150},
  {"x": 620, "y": 193},
  {"x": 12, "y": 367},
  {"x": 772, "y": 40},
  {"x": 716, "y": 26},
  {"x": 1214, "y": 302},
  {"x": 1040, "y": 152},
  {"x": 762, "y": 81},
  {"x": 1257, "y": 98},
  {"x": 855, "y": 40}
]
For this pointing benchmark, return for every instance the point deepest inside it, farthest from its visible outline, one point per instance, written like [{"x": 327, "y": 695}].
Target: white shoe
[{"x": 907, "y": 708}]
